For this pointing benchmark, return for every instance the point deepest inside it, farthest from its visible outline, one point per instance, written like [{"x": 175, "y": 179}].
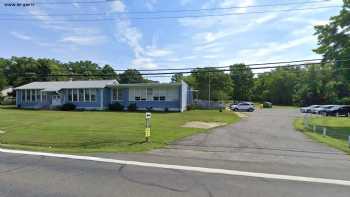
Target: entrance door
[{"x": 56, "y": 100}]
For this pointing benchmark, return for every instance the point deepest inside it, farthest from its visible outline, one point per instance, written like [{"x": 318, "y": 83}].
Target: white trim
[{"x": 186, "y": 168}]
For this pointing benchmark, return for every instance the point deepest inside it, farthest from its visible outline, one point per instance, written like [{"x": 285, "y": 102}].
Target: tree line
[
  {"x": 16, "y": 71},
  {"x": 312, "y": 84}
]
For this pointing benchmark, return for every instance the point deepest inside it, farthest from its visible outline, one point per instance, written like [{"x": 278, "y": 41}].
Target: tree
[
  {"x": 177, "y": 77},
  {"x": 131, "y": 76},
  {"x": 211, "y": 83},
  {"x": 243, "y": 82},
  {"x": 334, "y": 39},
  {"x": 109, "y": 73}
]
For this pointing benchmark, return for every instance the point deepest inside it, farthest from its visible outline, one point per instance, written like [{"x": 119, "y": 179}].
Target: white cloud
[
  {"x": 157, "y": 52},
  {"x": 273, "y": 48},
  {"x": 84, "y": 40},
  {"x": 117, "y": 6},
  {"x": 20, "y": 36}
]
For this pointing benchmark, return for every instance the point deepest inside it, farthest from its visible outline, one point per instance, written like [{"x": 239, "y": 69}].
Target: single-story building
[{"x": 99, "y": 94}]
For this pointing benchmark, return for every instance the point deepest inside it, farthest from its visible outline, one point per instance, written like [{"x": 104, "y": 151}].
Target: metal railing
[{"x": 333, "y": 132}]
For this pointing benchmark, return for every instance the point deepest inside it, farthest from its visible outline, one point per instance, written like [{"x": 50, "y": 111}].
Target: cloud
[
  {"x": 20, "y": 35},
  {"x": 84, "y": 40},
  {"x": 117, "y": 6},
  {"x": 273, "y": 48},
  {"x": 152, "y": 51}
]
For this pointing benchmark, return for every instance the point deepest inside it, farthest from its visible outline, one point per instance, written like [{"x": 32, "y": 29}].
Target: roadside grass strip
[{"x": 185, "y": 168}]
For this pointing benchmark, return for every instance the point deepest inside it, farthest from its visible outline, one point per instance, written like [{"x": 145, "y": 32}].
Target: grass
[
  {"x": 59, "y": 131},
  {"x": 340, "y": 125}
]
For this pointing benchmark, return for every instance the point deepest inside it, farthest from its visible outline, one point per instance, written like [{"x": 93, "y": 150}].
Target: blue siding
[{"x": 104, "y": 98}]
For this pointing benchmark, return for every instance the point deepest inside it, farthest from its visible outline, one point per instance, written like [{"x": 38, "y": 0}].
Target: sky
[{"x": 129, "y": 40}]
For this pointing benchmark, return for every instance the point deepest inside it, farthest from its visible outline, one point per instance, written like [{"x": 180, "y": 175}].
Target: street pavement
[{"x": 265, "y": 142}]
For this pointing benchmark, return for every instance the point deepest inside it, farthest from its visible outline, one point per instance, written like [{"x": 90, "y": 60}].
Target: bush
[
  {"x": 68, "y": 107},
  {"x": 132, "y": 107},
  {"x": 190, "y": 107},
  {"x": 116, "y": 107}
]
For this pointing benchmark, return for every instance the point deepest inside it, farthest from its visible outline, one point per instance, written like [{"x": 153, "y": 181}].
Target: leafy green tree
[
  {"x": 131, "y": 76},
  {"x": 334, "y": 39},
  {"x": 211, "y": 81},
  {"x": 177, "y": 77},
  {"x": 243, "y": 82},
  {"x": 109, "y": 73}
]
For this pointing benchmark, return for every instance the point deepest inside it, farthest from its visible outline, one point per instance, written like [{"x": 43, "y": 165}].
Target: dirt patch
[
  {"x": 2, "y": 132},
  {"x": 203, "y": 125}
]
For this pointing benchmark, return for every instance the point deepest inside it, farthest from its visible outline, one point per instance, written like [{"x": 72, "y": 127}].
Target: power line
[
  {"x": 165, "y": 11},
  {"x": 254, "y": 64},
  {"x": 71, "y": 2},
  {"x": 185, "y": 72},
  {"x": 163, "y": 17}
]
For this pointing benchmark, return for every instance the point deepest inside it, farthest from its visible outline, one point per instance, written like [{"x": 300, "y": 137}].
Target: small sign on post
[
  {"x": 324, "y": 131},
  {"x": 148, "y": 126}
]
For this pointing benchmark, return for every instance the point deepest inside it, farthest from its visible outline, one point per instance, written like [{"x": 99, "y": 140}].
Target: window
[
  {"x": 149, "y": 94},
  {"x": 75, "y": 95},
  {"x": 162, "y": 98},
  {"x": 23, "y": 94},
  {"x": 137, "y": 98},
  {"x": 32, "y": 93},
  {"x": 44, "y": 96},
  {"x": 156, "y": 98},
  {"x": 38, "y": 96},
  {"x": 70, "y": 98},
  {"x": 117, "y": 94},
  {"x": 87, "y": 95},
  {"x": 81, "y": 94},
  {"x": 93, "y": 95}
]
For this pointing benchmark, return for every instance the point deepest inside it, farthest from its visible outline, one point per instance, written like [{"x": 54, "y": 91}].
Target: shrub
[
  {"x": 68, "y": 107},
  {"x": 189, "y": 107},
  {"x": 132, "y": 107},
  {"x": 116, "y": 107}
]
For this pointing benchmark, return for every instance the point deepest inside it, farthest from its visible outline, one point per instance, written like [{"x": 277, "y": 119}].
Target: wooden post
[{"x": 324, "y": 131}]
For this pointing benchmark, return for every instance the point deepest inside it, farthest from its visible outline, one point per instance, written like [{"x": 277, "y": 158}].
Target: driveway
[{"x": 264, "y": 142}]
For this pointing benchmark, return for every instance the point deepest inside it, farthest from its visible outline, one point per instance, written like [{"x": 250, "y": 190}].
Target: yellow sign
[{"x": 148, "y": 132}]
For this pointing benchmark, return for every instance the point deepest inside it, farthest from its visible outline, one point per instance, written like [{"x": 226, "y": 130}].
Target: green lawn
[
  {"x": 88, "y": 131},
  {"x": 339, "y": 135}
]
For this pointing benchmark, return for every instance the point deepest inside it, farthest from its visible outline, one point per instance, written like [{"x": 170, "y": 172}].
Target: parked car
[
  {"x": 315, "y": 109},
  {"x": 243, "y": 106},
  {"x": 267, "y": 104},
  {"x": 308, "y": 109},
  {"x": 340, "y": 110},
  {"x": 323, "y": 108}
]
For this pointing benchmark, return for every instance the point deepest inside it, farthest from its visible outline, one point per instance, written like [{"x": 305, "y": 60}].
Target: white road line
[{"x": 185, "y": 168}]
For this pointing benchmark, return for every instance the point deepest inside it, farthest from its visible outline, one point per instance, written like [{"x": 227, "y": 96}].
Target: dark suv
[{"x": 338, "y": 111}]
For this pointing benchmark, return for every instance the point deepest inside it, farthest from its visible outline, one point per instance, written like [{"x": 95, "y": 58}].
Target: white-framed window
[
  {"x": 23, "y": 96},
  {"x": 81, "y": 93},
  {"x": 93, "y": 93},
  {"x": 70, "y": 95},
  {"x": 75, "y": 95},
  {"x": 87, "y": 95},
  {"x": 117, "y": 94}
]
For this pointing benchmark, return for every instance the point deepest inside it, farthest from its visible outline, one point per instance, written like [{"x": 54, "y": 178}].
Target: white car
[
  {"x": 308, "y": 109},
  {"x": 244, "y": 106}
]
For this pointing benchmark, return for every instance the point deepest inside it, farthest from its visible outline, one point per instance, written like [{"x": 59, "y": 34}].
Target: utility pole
[{"x": 209, "y": 88}]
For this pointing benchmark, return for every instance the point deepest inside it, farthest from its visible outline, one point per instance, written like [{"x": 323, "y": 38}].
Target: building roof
[
  {"x": 57, "y": 85},
  {"x": 148, "y": 84}
]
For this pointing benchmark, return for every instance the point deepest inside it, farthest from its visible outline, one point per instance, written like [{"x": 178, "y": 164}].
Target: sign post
[{"x": 148, "y": 126}]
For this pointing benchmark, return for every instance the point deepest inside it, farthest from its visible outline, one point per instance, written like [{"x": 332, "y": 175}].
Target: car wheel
[{"x": 235, "y": 109}]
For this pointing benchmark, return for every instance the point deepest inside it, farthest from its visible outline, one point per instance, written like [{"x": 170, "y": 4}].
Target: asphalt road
[{"x": 264, "y": 142}]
